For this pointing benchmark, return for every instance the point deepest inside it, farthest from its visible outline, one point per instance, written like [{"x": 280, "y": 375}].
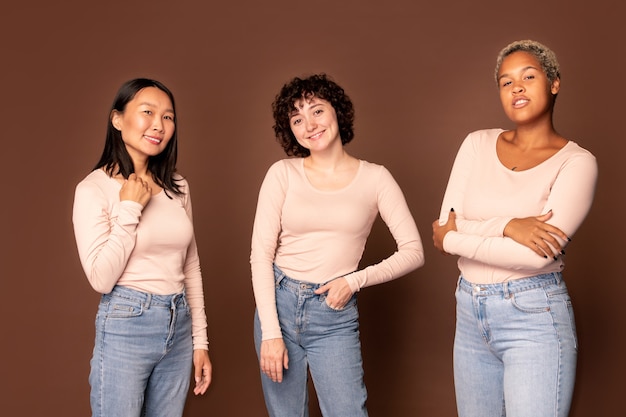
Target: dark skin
[
  {"x": 532, "y": 232},
  {"x": 527, "y": 98}
]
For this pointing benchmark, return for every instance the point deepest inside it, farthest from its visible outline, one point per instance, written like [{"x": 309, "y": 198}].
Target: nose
[
  {"x": 310, "y": 124},
  {"x": 157, "y": 124},
  {"x": 517, "y": 88}
]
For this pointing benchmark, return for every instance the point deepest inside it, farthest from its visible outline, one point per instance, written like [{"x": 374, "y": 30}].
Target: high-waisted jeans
[
  {"x": 141, "y": 364},
  {"x": 515, "y": 348},
  {"x": 319, "y": 339}
]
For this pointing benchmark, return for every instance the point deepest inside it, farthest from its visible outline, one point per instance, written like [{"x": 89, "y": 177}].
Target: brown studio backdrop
[{"x": 420, "y": 76}]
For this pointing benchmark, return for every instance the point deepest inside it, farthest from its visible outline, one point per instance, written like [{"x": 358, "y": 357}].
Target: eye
[
  {"x": 147, "y": 111},
  {"x": 505, "y": 83},
  {"x": 169, "y": 117},
  {"x": 529, "y": 77},
  {"x": 317, "y": 112},
  {"x": 296, "y": 121}
]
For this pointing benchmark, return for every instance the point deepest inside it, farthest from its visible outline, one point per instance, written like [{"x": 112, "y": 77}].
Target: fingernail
[
  {"x": 556, "y": 259},
  {"x": 562, "y": 252},
  {"x": 452, "y": 209},
  {"x": 545, "y": 256},
  {"x": 569, "y": 240}
]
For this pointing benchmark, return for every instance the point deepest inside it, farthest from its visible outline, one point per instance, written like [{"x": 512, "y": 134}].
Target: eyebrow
[
  {"x": 296, "y": 111},
  {"x": 146, "y": 103},
  {"x": 522, "y": 70}
]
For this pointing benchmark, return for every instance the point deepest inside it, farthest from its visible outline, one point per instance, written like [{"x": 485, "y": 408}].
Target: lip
[
  {"x": 316, "y": 136},
  {"x": 155, "y": 140},
  {"x": 520, "y": 101}
]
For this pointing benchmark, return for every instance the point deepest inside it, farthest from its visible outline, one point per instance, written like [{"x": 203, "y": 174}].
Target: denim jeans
[
  {"x": 141, "y": 364},
  {"x": 515, "y": 348},
  {"x": 320, "y": 340}
]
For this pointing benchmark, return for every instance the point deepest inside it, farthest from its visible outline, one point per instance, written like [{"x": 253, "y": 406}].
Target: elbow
[
  {"x": 100, "y": 287},
  {"x": 98, "y": 283},
  {"x": 416, "y": 259},
  {"x": 419, "y": 259}
]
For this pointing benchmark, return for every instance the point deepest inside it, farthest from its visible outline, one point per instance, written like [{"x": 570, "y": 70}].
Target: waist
[
  {"x": 512, "y": 286},
  {"x": 145, "y": 298},
  {"x": 294, "y": 285},
  {"x": 479, "y": 272}
]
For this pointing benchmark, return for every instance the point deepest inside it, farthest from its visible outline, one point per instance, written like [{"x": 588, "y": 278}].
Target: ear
[
  {"x": 556, "y": 85},
  {"x": 116, "y": 120}
]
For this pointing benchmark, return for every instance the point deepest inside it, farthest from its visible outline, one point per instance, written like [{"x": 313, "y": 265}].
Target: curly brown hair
[{"x": 317, "y": 85}]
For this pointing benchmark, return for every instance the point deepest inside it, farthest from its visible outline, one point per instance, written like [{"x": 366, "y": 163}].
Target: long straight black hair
[{"x": 115, "y": 156}]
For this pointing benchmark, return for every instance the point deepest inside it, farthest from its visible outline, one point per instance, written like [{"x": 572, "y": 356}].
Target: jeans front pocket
[
  {"x": 349, "y": 304},
  {"x": 531, "y": 301},
  {"x": 122, "y": 308}
]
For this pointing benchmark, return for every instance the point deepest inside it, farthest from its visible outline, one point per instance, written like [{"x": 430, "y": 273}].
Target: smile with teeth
[
  {"x": 520, "y": 101},
  {"x": 153, "y": 140},
  {"x": 316, "y": 136}
]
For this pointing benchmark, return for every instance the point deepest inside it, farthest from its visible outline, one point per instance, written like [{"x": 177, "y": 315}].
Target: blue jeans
[
  {"x": 141, "y": 364},
  {"x": 515, "y": 348},
  {"x": 320, "y": 340}
]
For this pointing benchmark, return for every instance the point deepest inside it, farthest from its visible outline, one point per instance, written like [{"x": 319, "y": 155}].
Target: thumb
[
  {"x": 322, "y": 289},
  {"x": 545, "y": 217},
  {"x": 452, "y": 215}
]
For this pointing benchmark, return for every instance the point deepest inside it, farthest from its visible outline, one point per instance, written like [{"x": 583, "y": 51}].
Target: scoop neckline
[
  {"x": 347, "y": 186},
  {"x": 495, "y": 151}
]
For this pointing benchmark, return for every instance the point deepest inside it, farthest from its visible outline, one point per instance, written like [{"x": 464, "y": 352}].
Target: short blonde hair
[{"x": 545, "y": 56}]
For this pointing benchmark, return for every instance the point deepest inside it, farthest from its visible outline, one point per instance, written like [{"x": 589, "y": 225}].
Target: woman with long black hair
[{"x": 134, "y": 231}]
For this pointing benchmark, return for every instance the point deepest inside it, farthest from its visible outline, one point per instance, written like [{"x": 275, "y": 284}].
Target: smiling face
[
  {"x": 525, "y": 91},
  {"x": 314, "y": 124},
  {"x": 146, "y": 124}
]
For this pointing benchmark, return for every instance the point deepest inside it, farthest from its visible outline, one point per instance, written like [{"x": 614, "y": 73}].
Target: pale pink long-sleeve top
[
  {"x": 151, "y": 250},
  {"x": 486, "y": 195},
  {"x": 316, "y": 236}
]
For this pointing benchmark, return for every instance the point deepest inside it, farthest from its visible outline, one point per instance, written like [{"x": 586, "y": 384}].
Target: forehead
[
  {"x": 304, "y": 102},
  {"x": 519, "y": 59},
  {"x": 152, "y": 96}
]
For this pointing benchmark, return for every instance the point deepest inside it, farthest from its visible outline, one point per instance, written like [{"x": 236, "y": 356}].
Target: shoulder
[
  {"x": 97, "y": 179},
  {"x": 484, "y": 136},
  {"x": 97, "y": 176},
  {"x": 182, "y": 182},
  {"x": 480, "y": 142},
  {"x": 281, "y": 173},
  {"x": 374, "y": 171},
  {"x": 372, "y": 167},
  {"x": 283, "y": 166},
  {"x": 573, "y": 148},
  {"x": 288, "y": 163},
  {"x": 574, "y": 153},
  {"x": 97, "y": 188}
]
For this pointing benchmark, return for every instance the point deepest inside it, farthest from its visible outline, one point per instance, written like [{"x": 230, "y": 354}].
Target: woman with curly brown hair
[{"x": 313, "y": 217}]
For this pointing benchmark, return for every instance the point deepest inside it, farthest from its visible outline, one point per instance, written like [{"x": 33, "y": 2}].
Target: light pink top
[
  {"x": 153, "y": 250},
  {"x": 486, "y": 195},
  {"x": 315, "y": 236}
]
